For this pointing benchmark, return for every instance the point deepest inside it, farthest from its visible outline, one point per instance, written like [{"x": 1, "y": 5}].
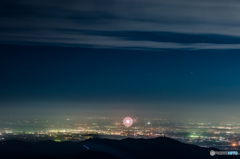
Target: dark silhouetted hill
[{"x": 129, "y": 148}]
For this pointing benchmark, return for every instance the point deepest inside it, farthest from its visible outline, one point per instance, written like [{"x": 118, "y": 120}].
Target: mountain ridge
[{"x": 161, "y": 147}]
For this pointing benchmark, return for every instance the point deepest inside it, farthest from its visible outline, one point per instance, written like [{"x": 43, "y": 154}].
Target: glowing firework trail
[{"x": 127, "y": 121}]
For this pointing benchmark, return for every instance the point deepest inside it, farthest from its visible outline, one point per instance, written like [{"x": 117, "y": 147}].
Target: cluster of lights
[{"x": 234, "y": 144}]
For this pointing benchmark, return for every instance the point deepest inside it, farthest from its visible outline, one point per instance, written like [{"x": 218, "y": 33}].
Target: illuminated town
[{"x": 224, "y": 136}]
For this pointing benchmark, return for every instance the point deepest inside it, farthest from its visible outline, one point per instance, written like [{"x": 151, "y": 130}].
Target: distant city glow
[{"x": 127, "y": 121}]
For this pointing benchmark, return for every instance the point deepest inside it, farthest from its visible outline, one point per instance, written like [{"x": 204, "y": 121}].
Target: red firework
[{"x": 127, "y": 121}]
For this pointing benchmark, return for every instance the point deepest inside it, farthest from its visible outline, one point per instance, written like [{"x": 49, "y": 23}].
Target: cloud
[{"x": 95, "y": 23}]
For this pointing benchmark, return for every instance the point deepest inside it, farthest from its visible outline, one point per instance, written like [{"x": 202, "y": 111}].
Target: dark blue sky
[
  {"x": 166, "y": 83},
  {"x": 150, "y": 58}
]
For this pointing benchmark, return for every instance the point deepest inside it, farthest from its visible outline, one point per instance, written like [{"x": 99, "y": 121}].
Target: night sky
[{"x": 111, "y": 58}]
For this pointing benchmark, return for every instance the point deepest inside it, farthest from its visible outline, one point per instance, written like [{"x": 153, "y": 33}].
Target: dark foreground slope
[{"x": 161, "y": 147}]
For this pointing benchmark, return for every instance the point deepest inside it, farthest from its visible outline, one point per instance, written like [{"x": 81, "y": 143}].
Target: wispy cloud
[{"x": 151, "y": 24}]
